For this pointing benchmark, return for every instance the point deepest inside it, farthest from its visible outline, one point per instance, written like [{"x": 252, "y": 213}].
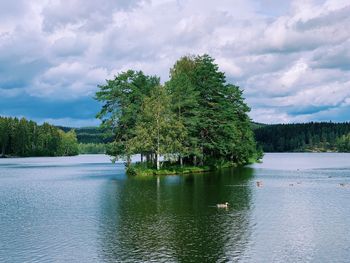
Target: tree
[
  {"x": 26, "y": 138},
  {"x": 196, "y": 117},
  {"x": 184, "y": 101},
  {"x": 224, "y": 127},
  {"x": 157, "y": 129},
  {"x": 343, "y": 143},
  {"x": 4, "y": 134},
  {"x": 69, "y": 143},
  {"x": 122, "y": 98}
]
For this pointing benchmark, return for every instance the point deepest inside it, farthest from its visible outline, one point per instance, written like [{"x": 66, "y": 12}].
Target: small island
[{"x": 194, "y": 122}]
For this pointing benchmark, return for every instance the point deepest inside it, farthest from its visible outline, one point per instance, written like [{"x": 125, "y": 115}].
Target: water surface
[{"x": 85, "y": 209}]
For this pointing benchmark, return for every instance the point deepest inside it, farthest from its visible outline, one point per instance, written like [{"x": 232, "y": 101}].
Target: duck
[
  {"x": 258, "y": 183},
  {"x": 291, "y": 184},
  {"x": 225, "y": 205},
  {"x": 342, "y": 184}
]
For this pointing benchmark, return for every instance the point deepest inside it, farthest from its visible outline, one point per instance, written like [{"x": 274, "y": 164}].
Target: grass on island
[{"x": 168, "y": 168}]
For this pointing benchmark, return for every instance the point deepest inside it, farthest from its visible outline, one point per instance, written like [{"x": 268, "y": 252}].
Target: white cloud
[
  {"x": 291, "y": 58},
  {"x": 68, "y": 81}
]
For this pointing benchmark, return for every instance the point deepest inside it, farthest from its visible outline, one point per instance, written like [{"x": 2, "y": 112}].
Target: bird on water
[{"x": 225, "y": 205}]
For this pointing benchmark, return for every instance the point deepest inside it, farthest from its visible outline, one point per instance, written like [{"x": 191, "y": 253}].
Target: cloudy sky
[{"x": 292, "y": 58}]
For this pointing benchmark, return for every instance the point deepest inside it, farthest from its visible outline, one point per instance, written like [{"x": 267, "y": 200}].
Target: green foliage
[
  {"x": 157, "y": 130},
  {"x": 122, "y": 98},
  {"x": 313, "y": 136},
  {"x": 195, "y": 119},
  {"x": 92, "y": 148},
  {"x": 69, "y": 144},
  {"x": 26, "y": 138},
  {"x": 168, "y": 168},
  {"x": 343, "y": 143},
  {"x": 88, "y": 135}
]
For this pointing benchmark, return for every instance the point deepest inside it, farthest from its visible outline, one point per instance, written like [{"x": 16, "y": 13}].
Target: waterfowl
[
  {"x": 258, "y": 183},
  {"x": 225, "y": 205},
  {"x": 342, "y": 184},
  {"x": 291, "y": 184}
]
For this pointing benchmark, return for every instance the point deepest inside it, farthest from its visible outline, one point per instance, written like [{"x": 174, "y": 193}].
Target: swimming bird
[
  {"x": 258, "y": 183},
  {"x": 225, "y": 205},
  {"x": 342, "y": 184},
  {"x": 291, "y": 184}
]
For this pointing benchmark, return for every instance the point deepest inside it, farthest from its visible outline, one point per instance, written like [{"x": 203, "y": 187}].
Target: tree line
[
  {"x": 196, "y": 118},
  {"x": 20, "y": 137},
  {"x": 88, "y": 135},
  {"x": 313, "y": 136}
]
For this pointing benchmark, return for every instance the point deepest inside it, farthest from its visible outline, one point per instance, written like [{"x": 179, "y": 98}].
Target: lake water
[{"x": 85, "y": 209}]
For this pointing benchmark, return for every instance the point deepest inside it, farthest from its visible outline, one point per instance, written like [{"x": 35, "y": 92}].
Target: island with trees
[
  {"x": 23, "y": 138},
  {"x": 195, "y": 122}
]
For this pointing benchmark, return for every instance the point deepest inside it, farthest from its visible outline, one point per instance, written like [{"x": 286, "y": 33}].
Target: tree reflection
[{"x": 175, "y": 218}]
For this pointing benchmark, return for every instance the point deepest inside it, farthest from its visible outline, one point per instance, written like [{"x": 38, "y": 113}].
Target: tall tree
[
  {"x": 26, "y": 138},
  {"x": 4, "y": 134},
  {"x": 122, "y": 98},
  {"x": 157, "y": 129},
  {"x": 197, "y": 116},
  {"x": 184, "y": 101}
]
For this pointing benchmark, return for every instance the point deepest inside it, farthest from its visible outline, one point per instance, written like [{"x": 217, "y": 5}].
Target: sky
[{"x": 291, "y": 58}]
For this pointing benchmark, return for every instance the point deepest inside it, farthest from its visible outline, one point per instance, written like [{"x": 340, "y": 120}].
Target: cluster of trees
[
  {"x": 195, "y": 118},
  {"x": 92, "y": 148},
  {"x": 20, "y": 137},
  {"x": 343, "y": 143},
  {"x": 313, "y": 136},
  {"x": 88, "y": 135}
]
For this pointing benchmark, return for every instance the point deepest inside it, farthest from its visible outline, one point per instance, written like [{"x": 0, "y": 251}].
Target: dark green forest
[
  {"x": 20, "y": 137},
  {"x": 196, "y": 118},
  {"x": 90, "y": 135},
  {"x": 319, "y": 136},
  {"x": 301, "y": 137}
]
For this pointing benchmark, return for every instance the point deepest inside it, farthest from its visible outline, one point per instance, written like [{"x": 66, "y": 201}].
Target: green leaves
[
  {"x": 122, "y": 98},
  {"x": 26, "y": 138},
  {"x": 157, "y": 129},
  {"x": 195, "y": 116}
]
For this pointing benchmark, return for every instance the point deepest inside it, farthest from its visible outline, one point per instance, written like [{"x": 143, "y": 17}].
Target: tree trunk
[
  {"x": 141, "y": 157},
  {"x": 201, "y": 161},
  {"x": 157, "y": 160},
  {"x": 181, "y": 161},
  {"x": 152, "y": 158},
  {"x": 3, "y": 150},
  {"x": 128, "y": 160},
  {"x": 158, "y": 146},
  {"x": 157, "y": 155},
  {"x": 195, "y": 160}
]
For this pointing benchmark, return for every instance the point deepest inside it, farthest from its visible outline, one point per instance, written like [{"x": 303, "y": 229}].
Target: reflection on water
[
  {"x": 175, "y": 218},
  {"x": 84, "y": 209}
]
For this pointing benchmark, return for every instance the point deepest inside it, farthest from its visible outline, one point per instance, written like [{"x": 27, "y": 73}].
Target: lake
[{"x": 85, "y": 209}]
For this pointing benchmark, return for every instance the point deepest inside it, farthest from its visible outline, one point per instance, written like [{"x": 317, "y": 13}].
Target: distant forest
[
  {"x": 313, "y": 136},
  {"x": 20, "y": 137},
  {"x": 309, "y": 137},
  {"x": 89, "y": 135}
]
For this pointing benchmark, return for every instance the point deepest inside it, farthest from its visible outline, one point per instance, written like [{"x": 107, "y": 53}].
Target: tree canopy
[
  {"x": 20, "y": 137},
  {"x": 300, "y": 137},
  {"x": 195, "y": 118}
]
